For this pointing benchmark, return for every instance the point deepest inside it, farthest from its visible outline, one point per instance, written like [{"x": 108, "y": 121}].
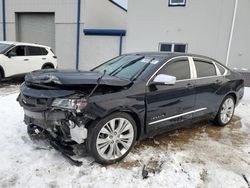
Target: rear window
[
  {"x": 204, "y": 68},
  {"x": 36, "y": 51}
]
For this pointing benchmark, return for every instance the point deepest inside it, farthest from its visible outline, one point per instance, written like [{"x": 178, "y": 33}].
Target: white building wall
[
  {"x": 100, "y": 14},
  {"x": 204, "y": 25},
  {"x": 240, "y": 52},
  {"x": 97, "y": 49},
  {"x": 95, "y": 14}
]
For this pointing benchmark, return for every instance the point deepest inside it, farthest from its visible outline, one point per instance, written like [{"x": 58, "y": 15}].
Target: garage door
[{"x": 36, "y": 28}]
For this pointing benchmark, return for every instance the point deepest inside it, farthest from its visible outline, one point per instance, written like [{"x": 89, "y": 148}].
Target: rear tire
[
  {"x": 1, "y": 76},
  {"x": 226, "y": 111},
  {"x": 48, "y": 67},
  {"x": 111, "y": 139}
]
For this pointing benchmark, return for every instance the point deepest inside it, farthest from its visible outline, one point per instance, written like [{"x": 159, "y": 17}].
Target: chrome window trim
[
  {"x": 192, "y": 65},
  {"x": 217, "y": 69},
  {"x": 173, "y": 58},
  {"x": 192, "y": 68},
  {"x": 176, "y": 116},
  {"x": 199, "y": 78},
  {"x": 209, "y": 61},
  {"x": 226, "y": 73},
  {"x": 226, "y": 70}
]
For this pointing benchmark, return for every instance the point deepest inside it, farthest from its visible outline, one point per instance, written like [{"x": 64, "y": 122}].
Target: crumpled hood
[{"x": 72, "y": 78}]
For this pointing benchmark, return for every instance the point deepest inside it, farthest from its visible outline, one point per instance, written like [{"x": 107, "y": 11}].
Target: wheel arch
[
  {"x": 2, "y": 72},
  {"x": 48, "y": 64},
  {"x": 137, "y": 122},
  {"x": 133, "y": 114},
  {"x": 222, "y": 97},
  {"x": 217, "y": 115},
  {"x": 233, "y": 95}
]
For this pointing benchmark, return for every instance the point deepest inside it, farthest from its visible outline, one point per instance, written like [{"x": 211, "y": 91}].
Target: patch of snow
[{"x": 206, "y": 159}]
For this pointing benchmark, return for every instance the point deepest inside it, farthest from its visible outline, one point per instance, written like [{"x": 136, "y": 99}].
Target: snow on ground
[{"x": 202, "y": 156}]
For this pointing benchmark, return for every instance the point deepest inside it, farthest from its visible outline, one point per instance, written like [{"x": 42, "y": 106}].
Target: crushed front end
[
  {"x": 56, "y": 106},
  {"x": 56, "y": 117}
]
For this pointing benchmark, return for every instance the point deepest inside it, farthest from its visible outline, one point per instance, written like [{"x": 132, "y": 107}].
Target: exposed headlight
[{"x": 71, "y": 104}]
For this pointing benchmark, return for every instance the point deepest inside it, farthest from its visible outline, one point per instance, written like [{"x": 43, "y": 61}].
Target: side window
[
  {"x": 44, "y": 51},
  {"x": 204, "y": 68},
  {"x": 36, "y": 51},
  {"x": 180, "y": 69},
  {"x": 221, "y": 69},
  {"x": 18, "y": 50}
]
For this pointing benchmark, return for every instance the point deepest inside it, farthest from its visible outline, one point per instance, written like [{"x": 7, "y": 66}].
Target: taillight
[{"x": 242, "y": 81}]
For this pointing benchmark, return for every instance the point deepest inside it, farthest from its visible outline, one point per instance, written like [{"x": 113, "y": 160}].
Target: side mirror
[
  {"x": 11, "y": 54},
  {"x": 163, "y": 79}
]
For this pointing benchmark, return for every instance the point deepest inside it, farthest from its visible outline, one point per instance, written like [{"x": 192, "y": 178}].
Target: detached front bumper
[
  {"x": 67, "y": 151},
  {"x": 55, "y": 129}
]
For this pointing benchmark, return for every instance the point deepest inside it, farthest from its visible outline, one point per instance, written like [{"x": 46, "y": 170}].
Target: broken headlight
[{"x": 71, "y": 104}]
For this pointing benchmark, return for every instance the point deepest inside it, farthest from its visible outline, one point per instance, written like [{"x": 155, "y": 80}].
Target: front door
[
  {"x": 37, "y": 57},
  {"x": 18, "y": 63},
  {"x": 170, "y": 104}
]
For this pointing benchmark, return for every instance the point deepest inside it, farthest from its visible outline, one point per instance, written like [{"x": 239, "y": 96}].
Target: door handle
[
  {"x": 218, "y": 81},
  {"x": 44, "y": 58},
  {"x": 26, "y": 59},
  {"x": 189, "y": 86}
]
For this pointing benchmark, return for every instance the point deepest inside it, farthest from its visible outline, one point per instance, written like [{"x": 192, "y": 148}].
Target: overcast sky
[{"x": 123, "y": 3}]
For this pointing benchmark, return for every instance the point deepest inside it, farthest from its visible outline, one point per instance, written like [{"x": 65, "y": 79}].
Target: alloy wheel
[
  {"x": 227, "y": 110},
  {"x": 115, "y": 138}
]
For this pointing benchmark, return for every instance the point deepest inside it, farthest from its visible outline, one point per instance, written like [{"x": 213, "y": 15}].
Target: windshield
[
  {"x": 126, "y": 67},
  {"x": 4, "y": 47}
]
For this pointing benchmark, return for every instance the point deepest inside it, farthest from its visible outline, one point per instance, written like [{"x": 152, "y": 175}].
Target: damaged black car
[{"x": 131, "y": 97}]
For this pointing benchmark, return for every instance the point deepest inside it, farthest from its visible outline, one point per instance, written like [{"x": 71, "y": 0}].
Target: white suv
[{"x": 19, "y": 58}]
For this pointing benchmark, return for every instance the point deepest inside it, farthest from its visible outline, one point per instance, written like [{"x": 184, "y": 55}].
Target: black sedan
[{"x": 129, "y": 98}]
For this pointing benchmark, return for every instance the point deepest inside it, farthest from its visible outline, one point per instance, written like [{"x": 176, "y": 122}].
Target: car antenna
[{"x": 98, "y": 83}]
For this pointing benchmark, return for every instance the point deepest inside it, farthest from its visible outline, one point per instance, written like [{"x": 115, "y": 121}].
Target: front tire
[
  {"x": 111, "y": 139},
  {"x": 1, "y": 77},
  {"x": 226, "y": 111}
]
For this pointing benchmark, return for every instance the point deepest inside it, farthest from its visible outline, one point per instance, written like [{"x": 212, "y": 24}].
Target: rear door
[
  {"x": 37, "y": 57},
  {"x": 168, "y": 105},
  {"x": 209, "y": 81}
]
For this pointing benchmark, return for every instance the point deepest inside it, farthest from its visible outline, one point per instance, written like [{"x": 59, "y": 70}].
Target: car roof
[
  {"x": 23, "y": 43},
  {"x": 168, "y": 55}
]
